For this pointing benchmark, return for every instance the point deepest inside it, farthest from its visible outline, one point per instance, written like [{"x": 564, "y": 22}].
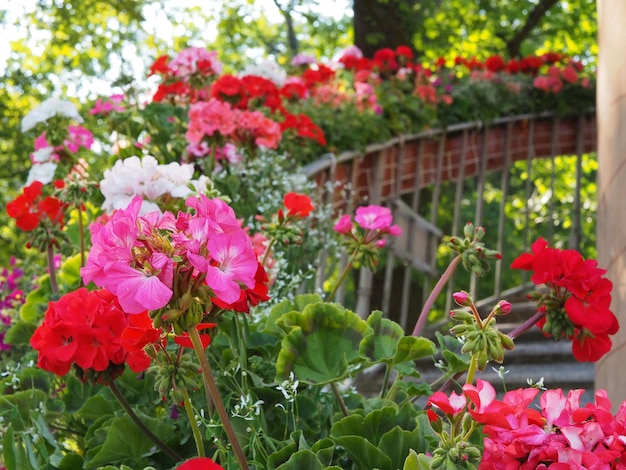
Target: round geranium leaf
[
  {"x": 323, "y": 340},
  {"x": 381, "y": 344}
]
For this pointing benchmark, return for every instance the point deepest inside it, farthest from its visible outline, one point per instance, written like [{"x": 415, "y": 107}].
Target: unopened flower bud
[
  {"x": 462, "y": 299},
  {"x": 468, "y": 230},
  {"x": 502, "y": 308}
]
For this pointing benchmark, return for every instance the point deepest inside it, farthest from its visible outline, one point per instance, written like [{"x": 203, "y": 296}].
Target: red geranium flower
[
  {"x": 28, "y": 208},
  {"x": 298, "y": 205},
  {"x": 82, "y": 328},
  {"x": 185, "y": 341},
  {"x": 200, "y": 463}
]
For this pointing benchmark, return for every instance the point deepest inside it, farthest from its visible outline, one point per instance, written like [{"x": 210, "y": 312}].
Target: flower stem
[
  {"x": 342, "y": 404},
  {"x": 471, "y": 372},
  {"x": 267, "y": 252},
  {"x": 211, "y": 386},
  {"x": 195, "y": 430},
  {"x": 527, "y": 325},
  {"x": 53, "y": 276},
  {"x": 81, "y": 236},
  {"x": 162, "y": 445},
  {"x": 343, "y": 275},
  {"x": 423, "y": 316},
  {"x": 385, "y": 381}
]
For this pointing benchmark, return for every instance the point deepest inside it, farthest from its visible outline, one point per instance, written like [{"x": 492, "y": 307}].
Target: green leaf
[
  {"x": 321, "y": 342},
  {"x": 397, "y": 443},
  {"x": 20, "y": 333},
  {"x": 415, "y": 461},
  {"x": 324, "y": 450},
  {"x": 125, "y": 443},
  {"x": 364, "y": 453},
  {"x": 95, "y": 407},
  {"x": 37, "y": 301},
  {"x": 282, "y": 455},
  {"x": 69, "y": 273},
  {"x": 382, "y": 343},
  {"x": 302, "y": 460},
  {"x": 298, "y": 304},
  {"x": 71, "y": 462},
  {"x": 18, "y": 407},
  {"x": 8, "y": 449},
  {"x": 411, "y": 348}
]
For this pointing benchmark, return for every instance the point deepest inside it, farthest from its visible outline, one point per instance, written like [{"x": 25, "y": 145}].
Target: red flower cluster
[
  {"x": 578, "y": 304},
  {"x": 560, "y": 435},
  {"x": 30, "y": 208},
  {"x": 83, "y": 328}
]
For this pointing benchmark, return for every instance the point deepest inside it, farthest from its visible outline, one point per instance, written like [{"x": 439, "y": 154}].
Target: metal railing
[{"x": 432, "y": 179}]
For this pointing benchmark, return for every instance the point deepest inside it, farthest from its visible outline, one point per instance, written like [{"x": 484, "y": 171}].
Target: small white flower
[
  {"x": 289, "y": 388},
  {"x": 539, "y": 384},
  {"x": 47, "y": 109},
  {"x": 43, "y": 172}
]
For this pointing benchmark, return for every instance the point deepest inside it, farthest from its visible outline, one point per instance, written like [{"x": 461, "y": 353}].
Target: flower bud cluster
[
  {"x": 474, "y": 255},
  {"x": 481, "y": 338}
]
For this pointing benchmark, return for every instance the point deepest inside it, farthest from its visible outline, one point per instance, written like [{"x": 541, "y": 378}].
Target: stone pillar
[{"x": 611, "y": 222}]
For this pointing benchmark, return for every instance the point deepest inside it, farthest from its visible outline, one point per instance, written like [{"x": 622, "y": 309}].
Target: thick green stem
[
  {"x": 423, "y": 316},
  {"x": 195, "y": 430},
  {"x": 53, "y": 276},
  {"x": 211, "y": 386},
  {"x": 342, "y": 404},
  {"x": 471, "y": 372},
  {"x": 162, "y": 445}
]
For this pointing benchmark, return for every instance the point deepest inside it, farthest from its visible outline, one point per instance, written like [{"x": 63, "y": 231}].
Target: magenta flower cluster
[
  {"x": 377, "y": 221},
  {"x": 144, "y": 259},
  {"x": 11, "y": 296},
  {"x": 559, "y": 434}
]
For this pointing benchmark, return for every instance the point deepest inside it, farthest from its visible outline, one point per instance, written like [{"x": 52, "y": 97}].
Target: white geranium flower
[
  {"x": 43, "y": 172},
  {"x": 47, "y": 109},
  {"x": 42, "y": 155},
  {"x": 267, "y": 69}
]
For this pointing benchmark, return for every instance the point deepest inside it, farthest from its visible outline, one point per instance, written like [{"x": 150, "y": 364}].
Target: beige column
[{"x": 611, "y": 228}]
